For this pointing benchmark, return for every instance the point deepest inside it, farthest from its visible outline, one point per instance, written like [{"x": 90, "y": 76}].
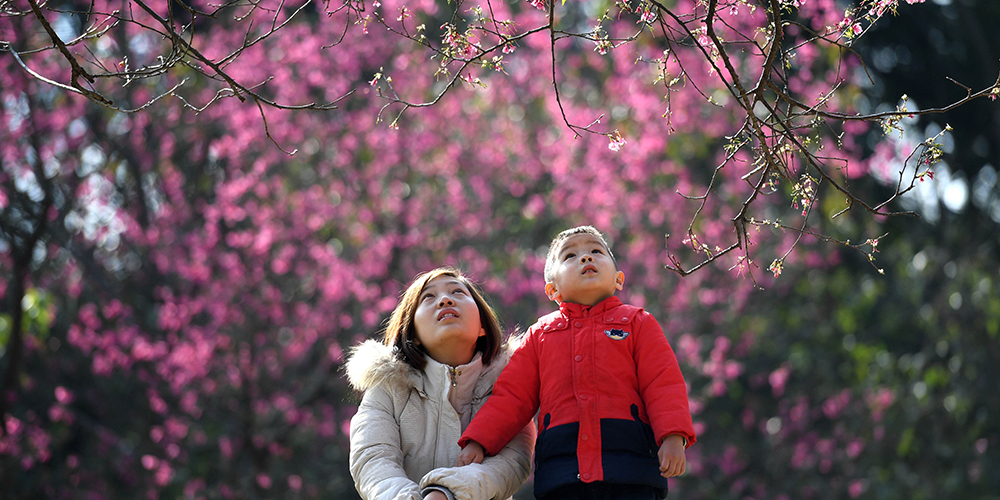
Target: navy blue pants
[{"x": 605, "y": 491}]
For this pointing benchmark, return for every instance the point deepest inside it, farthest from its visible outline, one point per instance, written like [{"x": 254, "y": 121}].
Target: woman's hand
[
  {"x": 436, "y": 495},
  {"x": 472, "y": 453}
]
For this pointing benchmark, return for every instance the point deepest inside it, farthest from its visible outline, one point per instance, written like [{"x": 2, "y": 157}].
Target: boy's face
[{"x": 584, "y": 272}]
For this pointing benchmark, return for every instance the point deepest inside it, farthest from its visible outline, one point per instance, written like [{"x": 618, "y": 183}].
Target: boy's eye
[
  {"x": 596, "y": 250},
  {"x": 569, "y": 256}
]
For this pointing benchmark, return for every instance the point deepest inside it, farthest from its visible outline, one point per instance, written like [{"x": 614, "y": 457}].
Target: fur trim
[
  {"x": 514, "y": 341},
  {"x": 372, "y": 363}
]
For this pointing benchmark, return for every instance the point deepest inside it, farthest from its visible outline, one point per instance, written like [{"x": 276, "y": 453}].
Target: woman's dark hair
[{"x": 400, "y": 333}]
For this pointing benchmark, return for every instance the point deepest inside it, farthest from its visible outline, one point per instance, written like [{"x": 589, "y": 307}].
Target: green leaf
[
  {"x": 5, "y": 324},
  {"x": 905, "y": 442}
]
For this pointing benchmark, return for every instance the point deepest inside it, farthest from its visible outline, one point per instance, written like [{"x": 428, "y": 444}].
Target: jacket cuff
[
  {"x": 685, "y": 438},
  {"x": 434, "y": 487}
]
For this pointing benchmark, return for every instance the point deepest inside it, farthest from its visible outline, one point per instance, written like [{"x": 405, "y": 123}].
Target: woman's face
[{"x": 447, "y": 321}]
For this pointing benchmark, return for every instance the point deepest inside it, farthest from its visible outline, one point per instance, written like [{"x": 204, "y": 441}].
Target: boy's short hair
[{"x": 550, "y": 258}]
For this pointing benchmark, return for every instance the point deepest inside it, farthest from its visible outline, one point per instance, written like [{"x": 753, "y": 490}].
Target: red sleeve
[
  {"x": 661, "y": 384},
  {"x": 513, "y": 403}
]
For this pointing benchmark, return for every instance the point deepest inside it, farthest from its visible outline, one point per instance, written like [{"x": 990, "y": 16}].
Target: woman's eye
[
  {"x": 427, "y": 296},
  {"x": 459, "y": 290}
]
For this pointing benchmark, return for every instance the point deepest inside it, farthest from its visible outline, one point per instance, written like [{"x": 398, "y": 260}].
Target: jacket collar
[
  {"x": 371, "y": 364},
  {"x": 439, "y": 379},
  {"x": 573, "y": 310}
]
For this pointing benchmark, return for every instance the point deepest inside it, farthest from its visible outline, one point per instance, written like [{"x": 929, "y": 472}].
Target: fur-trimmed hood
[{"x": 372, "y": 363}]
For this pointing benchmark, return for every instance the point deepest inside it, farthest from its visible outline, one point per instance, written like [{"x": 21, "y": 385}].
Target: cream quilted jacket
[{"x": 404, "y": 437}]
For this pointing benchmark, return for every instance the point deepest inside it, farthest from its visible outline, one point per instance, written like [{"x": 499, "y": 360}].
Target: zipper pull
[{"x": 454, "y": 373}]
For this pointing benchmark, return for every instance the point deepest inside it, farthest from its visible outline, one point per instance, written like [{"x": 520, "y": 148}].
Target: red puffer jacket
[{"x": 608, "y": 388}]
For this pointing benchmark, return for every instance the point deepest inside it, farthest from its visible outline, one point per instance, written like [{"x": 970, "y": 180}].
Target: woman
[{"x": 441, "y": 353}]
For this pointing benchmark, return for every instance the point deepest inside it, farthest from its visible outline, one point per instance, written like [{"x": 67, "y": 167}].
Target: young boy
[{"x": 614, "y": 419}]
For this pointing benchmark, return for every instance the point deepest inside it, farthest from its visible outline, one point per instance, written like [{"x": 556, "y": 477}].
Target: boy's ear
[
  {"x": 619, "y": 280},
  {"x": 552, "y": 293}
]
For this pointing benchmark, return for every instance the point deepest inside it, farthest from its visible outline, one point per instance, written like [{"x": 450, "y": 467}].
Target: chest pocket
[
  {"x": 615, "y": 345},
  {"x": 619, "y": 328}
]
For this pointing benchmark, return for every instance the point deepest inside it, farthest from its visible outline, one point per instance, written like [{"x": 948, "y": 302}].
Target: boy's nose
[{"x": 586, "y": 258}]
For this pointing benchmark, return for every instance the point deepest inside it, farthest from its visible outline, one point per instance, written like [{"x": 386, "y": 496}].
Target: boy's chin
[{"x": 587, "y": 299}]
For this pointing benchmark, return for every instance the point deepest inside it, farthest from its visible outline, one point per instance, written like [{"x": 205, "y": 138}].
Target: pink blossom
[
  {"x": 857, "y": 486},
  {"x": 226, "y": 447},
  {"x": 264, "y": 481},
  {"x": 731, "y": 463},
  {"x": 722, "y": 345},
  {"x": 163, "y": 474},
  {"x": 802, "y": 455},
  {"x": 878, "y": 401},
  {"x": 878, "y": 7},
  {"x": 156, "y": 403},
  {"x": 617, "y": 141},
  {"x": 689, "y": 349},
  {"x": 176, "y": 429},
  {"x": 603, "y": 46},
  {"x": 192, "y": 488},
  {"x": 59, "y": 414},
  {"x": 703, "y": 38},
  {"x": 854, "y": 448},
  {"x": 733, "y": 369},
  {"x": 776, "y": 267},
  {"x": 799, "y": 412},
  {"x": 778, "y": 378},
  {"x": 63, "y": 396},
  {"x": 717, "y": 388}
]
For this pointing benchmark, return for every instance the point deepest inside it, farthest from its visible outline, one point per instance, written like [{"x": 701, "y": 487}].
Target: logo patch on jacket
[{"x": 616, "y": 333}]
